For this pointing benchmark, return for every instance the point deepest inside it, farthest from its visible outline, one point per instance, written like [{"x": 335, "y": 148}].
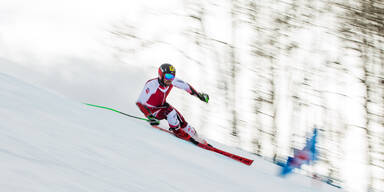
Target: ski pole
[{"x": 116, "y": 111}]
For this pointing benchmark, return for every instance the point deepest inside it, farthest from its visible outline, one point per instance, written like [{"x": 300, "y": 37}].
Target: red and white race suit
[{"x": 152, "y": 100}]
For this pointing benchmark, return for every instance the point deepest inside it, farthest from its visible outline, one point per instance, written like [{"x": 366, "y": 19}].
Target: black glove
[
  {"x": 204, "y": 97},
  {"x": 152, "y": 120}
]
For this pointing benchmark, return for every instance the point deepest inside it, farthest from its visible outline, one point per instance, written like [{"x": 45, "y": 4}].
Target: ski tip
[{"x": 250, "y": 163}]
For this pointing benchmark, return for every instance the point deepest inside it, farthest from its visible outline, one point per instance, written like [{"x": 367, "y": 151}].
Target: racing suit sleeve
[
  {"x": 146, "y": 93},
  {"x": 186, "y": 86}
]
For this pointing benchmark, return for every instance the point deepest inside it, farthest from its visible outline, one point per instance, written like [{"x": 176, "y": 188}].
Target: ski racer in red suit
[{"x": 152, "y": 102}]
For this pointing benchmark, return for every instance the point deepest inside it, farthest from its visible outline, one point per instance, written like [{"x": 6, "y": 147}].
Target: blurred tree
[
  {"x": 196, "y": 32},
  {"x": 264, "y": 48},
  {"x": 257, "y": 125},
  {"x": 233, "y": 60}
]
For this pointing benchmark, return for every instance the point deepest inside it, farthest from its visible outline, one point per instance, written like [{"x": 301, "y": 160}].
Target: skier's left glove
[
  {"x": 204, "y": 97},
  {"x": 152, "y": 120}
]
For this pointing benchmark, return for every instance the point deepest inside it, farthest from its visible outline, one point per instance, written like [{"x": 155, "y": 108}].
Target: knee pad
[{"x": 173, "y": 121}]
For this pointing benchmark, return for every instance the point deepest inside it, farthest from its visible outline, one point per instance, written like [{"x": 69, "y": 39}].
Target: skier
[{"x": 152, "y": 102}]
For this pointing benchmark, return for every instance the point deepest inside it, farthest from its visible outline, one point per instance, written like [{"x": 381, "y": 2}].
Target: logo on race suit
[{"x": 147, "y": 90}]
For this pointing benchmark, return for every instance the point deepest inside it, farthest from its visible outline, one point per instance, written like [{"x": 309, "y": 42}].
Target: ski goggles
[{"x": 169, "y": 76}]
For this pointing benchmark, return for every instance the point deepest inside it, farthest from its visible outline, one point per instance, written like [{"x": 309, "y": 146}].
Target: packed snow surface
[{"x": 49, "y": 143}]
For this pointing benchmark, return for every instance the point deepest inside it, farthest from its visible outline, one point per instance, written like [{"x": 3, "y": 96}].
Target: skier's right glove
[{"x": 152, "y": 120}]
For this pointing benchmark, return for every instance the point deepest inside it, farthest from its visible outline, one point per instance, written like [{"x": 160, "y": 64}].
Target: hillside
[{"x": 51, "y": 143}]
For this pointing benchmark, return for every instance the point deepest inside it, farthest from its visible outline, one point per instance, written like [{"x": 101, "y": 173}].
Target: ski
[
  {"x": 238, "y": 158},
  {"x": 209, "y": 147}
]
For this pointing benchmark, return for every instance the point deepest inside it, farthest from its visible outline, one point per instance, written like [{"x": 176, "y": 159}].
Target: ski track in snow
[{"x": 51, "y": 143}]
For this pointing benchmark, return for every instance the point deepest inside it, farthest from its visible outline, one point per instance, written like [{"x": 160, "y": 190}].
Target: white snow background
[{"x": 49, "y": 143}]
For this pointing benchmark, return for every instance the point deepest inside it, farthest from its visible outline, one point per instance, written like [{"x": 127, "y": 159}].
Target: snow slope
[{"x": 49, "y": 143}]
